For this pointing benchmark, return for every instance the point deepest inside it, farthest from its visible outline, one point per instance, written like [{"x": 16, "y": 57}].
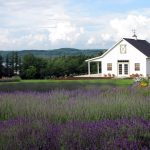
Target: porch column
[
  {"x": 89, "y": 68},
  {"x": 97, "y": 67}
]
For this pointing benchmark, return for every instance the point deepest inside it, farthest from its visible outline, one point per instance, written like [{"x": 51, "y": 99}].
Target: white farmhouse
[{"x": 125, "y": 58}]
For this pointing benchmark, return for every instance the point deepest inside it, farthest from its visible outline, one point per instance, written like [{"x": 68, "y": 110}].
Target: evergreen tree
[
  {"x": 7, "y": 66},
  {"x": 19, "y": 65},
  {"x": 16, "y": 63},
  {"x": 1, "y": 66},
  {"x": 11, "y": 64}
]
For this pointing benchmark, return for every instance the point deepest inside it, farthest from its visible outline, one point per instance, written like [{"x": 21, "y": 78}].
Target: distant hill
[{"x": 57, "y": 52}]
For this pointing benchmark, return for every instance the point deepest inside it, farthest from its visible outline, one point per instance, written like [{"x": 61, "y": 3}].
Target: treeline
[
  {"x": 32, "y": 67},
  {"x": 10, "y": 65}
]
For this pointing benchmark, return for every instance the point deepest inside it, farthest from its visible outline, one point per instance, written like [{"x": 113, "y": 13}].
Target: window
[
  {"x": 123, "y": 49},
  {"x": 137, "y": 66},
  {"x": 120, "y": 69},
  {"x": 126, "y": 69},
  {"x": 109, "y": 67}
]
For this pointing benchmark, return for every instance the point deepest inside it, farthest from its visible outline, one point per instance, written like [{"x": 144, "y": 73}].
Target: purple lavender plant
[
  {"x": 77, "y": 135},
  {"x": 81, "y": 119}
]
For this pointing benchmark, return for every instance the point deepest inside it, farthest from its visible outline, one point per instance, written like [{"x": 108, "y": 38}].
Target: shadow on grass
[{"x": 11, "y": 87}]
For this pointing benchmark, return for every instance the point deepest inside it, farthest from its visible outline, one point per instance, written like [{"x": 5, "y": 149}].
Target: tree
[
  {"x": 19, "y": 65},
  {"x": 11, "y": 64},
  {"x": 70, "y": 65},
  {"x": 7, "y": 66},
  {"x": 58, "y": 66},
  {"x": 40, "y": 64},
  {"x": 16, "y": 63},
  {"x": 30, "y": 72},
  {"x": 28, "y": 60},
  {"x": 1, "y": 66}
]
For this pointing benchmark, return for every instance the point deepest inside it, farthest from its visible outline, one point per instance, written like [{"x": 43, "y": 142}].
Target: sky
[{"x": 82, "y": 24}]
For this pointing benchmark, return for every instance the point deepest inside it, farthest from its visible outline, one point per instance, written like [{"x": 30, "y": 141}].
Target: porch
[
  {"x": 98, "y": 68},
  {"x": 93, "y": 71}
]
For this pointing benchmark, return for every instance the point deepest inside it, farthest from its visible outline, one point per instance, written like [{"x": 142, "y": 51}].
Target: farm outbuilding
[{"x": 129, "y": 56}]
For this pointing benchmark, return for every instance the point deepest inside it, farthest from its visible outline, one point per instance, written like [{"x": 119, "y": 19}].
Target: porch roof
[
  {"x": 95, "y": 59},
  {"x": 99, "y": 57}
]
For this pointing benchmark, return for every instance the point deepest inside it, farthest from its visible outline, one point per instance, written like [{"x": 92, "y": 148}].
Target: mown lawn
[
  {"x": 100, "y": 81},
  {"x": 46, "y": 85}
]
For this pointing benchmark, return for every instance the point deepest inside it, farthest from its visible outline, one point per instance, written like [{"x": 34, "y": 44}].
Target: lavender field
[{"x": 89, "y": 118}]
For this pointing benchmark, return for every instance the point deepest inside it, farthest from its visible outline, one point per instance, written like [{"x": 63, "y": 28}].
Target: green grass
[
  {"x": 119, "y": 81},
  {"x": 100, "y": 81},
  {"x": 46, "y": 85}
]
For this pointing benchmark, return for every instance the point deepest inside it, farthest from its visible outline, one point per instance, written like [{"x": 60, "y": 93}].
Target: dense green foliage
[
  {"x": 10, "y": 65},
  {"x": 32, "y": 67},
  {"x": 39, "y": 68},
  {"x": 1, "y": 66}
]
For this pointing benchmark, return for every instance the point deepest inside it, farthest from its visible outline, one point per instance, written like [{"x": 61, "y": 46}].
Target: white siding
[
  {"x": 148, "y": 67},
  {"x": 132, "y": 54}
]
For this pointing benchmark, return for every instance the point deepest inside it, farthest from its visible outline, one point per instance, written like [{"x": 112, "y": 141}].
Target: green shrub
[
  {"x": 12, "y": 79},
  {"x": 144, "y": 82}
]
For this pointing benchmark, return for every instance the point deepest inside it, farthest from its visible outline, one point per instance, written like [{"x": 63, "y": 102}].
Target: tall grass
[
  {"x": 89, "y": 118},
  {"x": 80, "y": 104}
]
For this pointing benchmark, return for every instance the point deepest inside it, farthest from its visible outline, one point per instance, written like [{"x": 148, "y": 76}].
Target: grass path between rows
[{"x": 97, "y": 81}]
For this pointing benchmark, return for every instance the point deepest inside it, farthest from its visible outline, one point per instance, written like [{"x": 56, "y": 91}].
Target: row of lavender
[
  {"x": 81, "y": 119},
  {"x": 124, "y": 134},
  {"x": 80, "y": 104}
]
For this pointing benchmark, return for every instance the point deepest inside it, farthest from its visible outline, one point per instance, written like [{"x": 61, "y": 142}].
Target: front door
[{"x": 123, "y": 69}]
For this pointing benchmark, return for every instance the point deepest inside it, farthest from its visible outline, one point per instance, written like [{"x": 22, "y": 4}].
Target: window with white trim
[
  {"x": 137, "y": 66},
  {"x": 109, "y": 66}
]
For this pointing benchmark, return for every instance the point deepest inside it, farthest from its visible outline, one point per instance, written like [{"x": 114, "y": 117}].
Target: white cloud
[
  {"x": 25, "y": 20},
  {"x": 48, "y": 24},
  {"x": 123, "y": 27},
  {"x": 4, "y": 36},
  {"x": 91, "y": 41},
  {"x": 106, "y": 36},
  {"x": 65, "y": 32}
]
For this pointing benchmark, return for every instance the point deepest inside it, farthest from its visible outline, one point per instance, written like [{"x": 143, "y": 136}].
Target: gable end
[{"x": 142, "y": 45}]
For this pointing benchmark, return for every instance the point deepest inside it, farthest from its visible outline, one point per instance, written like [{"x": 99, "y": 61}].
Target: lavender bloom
[
  {"x": 80, "y": 119},
  {"x": 76, "y": 135}
]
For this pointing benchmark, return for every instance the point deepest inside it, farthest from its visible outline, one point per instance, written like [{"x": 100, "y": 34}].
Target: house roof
[{"x": 141, "y": 45}]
